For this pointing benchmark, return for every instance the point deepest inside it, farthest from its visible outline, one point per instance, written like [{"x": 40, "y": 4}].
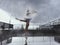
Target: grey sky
[{"x": 47, "y": 9}]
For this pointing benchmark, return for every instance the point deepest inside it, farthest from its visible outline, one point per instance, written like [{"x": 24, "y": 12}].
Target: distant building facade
[{"x": 5, "y": 26}]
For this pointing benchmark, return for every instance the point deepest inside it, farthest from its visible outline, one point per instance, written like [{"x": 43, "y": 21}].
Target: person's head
[{"x": 28, "y": 13}]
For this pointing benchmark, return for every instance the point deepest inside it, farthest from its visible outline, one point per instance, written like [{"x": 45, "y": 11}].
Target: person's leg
[
  {"x": 27, "y": 25},
  {"x": 26, "y": 31},
  {"x": 23, "y": 20},
  {"x": 26, "y": 40}
]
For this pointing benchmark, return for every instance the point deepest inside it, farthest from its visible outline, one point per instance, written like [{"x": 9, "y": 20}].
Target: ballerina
[{"x": 27, "y": 21}]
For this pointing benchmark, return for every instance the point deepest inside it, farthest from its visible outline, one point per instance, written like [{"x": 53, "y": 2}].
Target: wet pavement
[
  {"x": 34, "y": 38},
  {"x": 46, "y": 40}
]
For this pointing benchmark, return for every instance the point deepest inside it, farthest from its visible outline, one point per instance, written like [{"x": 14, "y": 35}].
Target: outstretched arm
[{"x": 21, "y": 20}]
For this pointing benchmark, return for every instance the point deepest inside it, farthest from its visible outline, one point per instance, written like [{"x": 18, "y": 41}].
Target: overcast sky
[{"x": 47, "y": 10}]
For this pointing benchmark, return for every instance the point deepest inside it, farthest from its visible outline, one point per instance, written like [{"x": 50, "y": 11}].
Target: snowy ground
[{"x": 34, "y": 41}]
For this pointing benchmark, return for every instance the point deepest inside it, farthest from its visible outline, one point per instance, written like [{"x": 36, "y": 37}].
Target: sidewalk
[{"x": 34, "y": 41}]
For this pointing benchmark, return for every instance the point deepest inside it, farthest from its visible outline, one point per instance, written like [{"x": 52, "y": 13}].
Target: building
[{"x": 5, "y": 26}]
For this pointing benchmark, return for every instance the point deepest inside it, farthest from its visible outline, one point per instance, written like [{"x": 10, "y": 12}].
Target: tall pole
[{"x": 9, "y": 23}]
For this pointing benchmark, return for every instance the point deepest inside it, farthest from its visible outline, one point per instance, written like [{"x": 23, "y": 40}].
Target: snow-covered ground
[{"x": 34, "y": 41}]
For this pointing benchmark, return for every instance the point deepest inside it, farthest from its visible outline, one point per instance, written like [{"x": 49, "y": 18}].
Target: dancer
[{"x": 27, "y": 21}]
